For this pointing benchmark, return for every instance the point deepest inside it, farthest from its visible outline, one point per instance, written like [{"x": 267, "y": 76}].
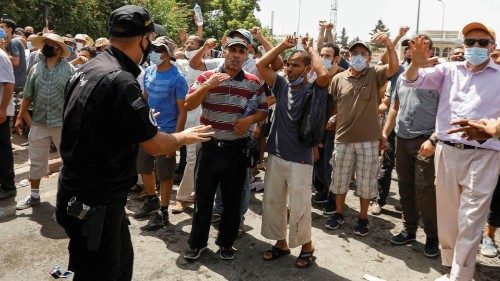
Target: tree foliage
[
  {"x": 343, "y": 39},
  {"x": 379, "y": 27},
  {"x": 91, "y": 16}
]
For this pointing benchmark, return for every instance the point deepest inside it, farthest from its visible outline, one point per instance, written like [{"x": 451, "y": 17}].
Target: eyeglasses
[{"x": 481, "y": 42}]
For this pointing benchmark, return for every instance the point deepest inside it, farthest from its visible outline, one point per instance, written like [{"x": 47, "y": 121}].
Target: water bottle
[{"x": 198, "y": 15}]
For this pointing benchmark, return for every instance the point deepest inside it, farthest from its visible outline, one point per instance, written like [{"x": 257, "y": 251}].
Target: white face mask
[
  {"x": 79, "y": 46},
  {"x": 190, "y": 54}
]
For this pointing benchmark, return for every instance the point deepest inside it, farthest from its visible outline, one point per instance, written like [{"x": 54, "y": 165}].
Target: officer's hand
[
  {"x": 216, "y": 79},
  {"x": 200, "y": 133}
]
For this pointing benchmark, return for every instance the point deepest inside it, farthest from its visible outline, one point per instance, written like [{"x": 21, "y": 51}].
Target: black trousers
[
  {"x": 494, "y": 216},
  {"x": 218, "y": 163},
  {"x": 7, "y": 159},
  {"x": 113, "y": 260},
  {"x": 384, "y": 174}
]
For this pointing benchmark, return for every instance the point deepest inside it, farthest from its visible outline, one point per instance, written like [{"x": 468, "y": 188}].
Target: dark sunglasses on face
[{"x": 481, "y": 42}]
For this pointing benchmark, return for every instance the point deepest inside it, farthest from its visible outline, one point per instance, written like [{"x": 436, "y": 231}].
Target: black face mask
[
  {"x": 48, "y": 51},
  {"x": 145, "y": 52}
]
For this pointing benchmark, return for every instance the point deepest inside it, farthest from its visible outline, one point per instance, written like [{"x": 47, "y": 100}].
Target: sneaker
[
  {"x": 320, "y": 197},
  {"x": 151, "y": 204},
  {"x": 328, "y": 210},
  {"x": 180, "y": 206},
  {"x": 193, "y": 253},
  {"x": 7, "y": 194},
  {"x": 403, "y": 237},
  {"x": 30, "y": 201},
  {"x": 226, "y": 253},
  {"x": 215, "y": 217},
  {"x": 362, "y": 228},
  {"x": 375, "y": 208},
  {"x": 159, "y": 220},
  {"x": 334, "y": 221},
  {"x": 488, "y": 247},
  {"x": 431, "y": 249}
]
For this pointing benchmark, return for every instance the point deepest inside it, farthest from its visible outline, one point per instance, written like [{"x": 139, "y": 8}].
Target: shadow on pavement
[{"x": 42, "y": 214}]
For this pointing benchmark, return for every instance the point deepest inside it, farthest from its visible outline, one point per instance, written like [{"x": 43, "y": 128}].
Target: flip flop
[
  {"x": 275, "y": 253},
  {"x": 307, "y": 257}
]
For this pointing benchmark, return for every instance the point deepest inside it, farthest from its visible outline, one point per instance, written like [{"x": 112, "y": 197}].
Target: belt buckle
[
  {"x": 460, "y": 145},
  {"x": 220, "y": 144}
]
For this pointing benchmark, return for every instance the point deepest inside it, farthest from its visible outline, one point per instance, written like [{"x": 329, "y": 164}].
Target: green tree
[
  {"x": 343, "y": 39},
  {"x": 379, "y": 27}
]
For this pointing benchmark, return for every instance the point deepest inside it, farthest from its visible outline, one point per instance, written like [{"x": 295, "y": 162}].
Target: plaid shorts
[{"x": 365, "y": 156}]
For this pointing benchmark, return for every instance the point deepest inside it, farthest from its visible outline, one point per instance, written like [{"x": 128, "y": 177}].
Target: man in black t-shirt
[{"x": 105, "y": 119}]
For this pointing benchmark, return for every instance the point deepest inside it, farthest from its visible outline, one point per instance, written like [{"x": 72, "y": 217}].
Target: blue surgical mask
[
  {"x": 358, "y": 62},
  {"x": 476, "y": 55},
  {"x": 155, "y": 58},
  {"x": 297, "y": 81},
  {"x": 327, "y": 63},
  {"x": 70, "y": 49}
]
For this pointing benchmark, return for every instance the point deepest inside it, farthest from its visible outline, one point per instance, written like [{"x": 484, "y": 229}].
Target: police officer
[{"x": 104, "y": 120}]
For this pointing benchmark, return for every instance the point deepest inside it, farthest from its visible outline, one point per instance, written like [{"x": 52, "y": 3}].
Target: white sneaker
[
  {"x": 29, "y": 201},
  {"x": 375, "y": 208},
  {"x": 488, "y": 247}
]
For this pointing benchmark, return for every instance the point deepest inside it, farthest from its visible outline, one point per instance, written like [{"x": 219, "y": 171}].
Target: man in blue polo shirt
[{"x": 165, "y": 90}]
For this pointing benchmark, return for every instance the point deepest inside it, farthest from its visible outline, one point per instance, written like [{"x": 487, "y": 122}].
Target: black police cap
[{"x": 129, "y": 21}]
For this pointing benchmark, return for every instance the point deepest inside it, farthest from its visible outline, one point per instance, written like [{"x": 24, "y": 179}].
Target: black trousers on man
[
  {"x": 218, "y": 162},
  {"x": 7, "y": 159},
  {"x": 494, "y": 215},
  {"x": 385, "y": 172}
]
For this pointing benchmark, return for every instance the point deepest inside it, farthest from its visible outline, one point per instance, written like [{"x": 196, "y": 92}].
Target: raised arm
[
  {"x": 322, "y": 79},
  {"x": 196, "y": 61},
  {"x": 277, "y": 63},
  {"x": 329, "y": 33},
  {"x": 321, "y": 36},
  {"x": 266, "y": 73},
  {"x": 418, "y": 57},
  {"x": 382, "y": 38},
  {"x": 402, "y": 32}
]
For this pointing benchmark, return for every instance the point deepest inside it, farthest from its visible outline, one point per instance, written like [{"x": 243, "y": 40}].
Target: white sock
[{"x": 35, "y": 192}]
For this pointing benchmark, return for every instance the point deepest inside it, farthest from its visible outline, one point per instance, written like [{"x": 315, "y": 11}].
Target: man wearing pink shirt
[{"x": 466, "y": 171}]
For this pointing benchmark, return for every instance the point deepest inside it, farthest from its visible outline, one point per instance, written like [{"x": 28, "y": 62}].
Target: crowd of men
[{"x": 122, "y": 106}]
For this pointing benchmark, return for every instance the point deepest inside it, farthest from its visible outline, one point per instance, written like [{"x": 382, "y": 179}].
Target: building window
[
  {"x": 436, "y": 51},
  {"x": 446, "y": 52}
]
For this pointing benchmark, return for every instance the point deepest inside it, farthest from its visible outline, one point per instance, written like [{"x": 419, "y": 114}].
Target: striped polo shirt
[{"x": 228, "y": 102}]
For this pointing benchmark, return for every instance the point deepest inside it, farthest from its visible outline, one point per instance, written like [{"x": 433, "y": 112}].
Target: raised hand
[
  {"x": 381, "y": 38},
  {"x": 306, "y": 43},
  {"x": 216, "y": 79},
  {"x": 289, "y": 42},
  {"x": 256, "y": 33},
  {"x": 419, "y": 51},
  {"x": 403, "y": 30},
  {"x": 329, "y": 26},
  {"x": 210, "y": 43}
]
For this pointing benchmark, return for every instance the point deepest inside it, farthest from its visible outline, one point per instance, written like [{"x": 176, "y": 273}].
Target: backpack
[{"x": 315, "y": 110}]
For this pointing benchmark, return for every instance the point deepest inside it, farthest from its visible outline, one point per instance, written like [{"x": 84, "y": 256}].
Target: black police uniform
[{"x": 104, "y": 120}]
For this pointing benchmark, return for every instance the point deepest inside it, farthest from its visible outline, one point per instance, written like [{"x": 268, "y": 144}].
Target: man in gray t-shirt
[
  {"x": 15, "y": 50},
  {"x": 413, "y": 114}
]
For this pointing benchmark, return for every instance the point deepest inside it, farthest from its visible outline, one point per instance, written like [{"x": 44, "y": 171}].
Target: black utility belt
[
  {"x": 237, "y": 143},
  {"x": 461, "y": 145}
]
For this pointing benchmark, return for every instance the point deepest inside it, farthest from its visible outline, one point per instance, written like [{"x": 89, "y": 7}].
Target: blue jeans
[{"x": 245, "y": 199}]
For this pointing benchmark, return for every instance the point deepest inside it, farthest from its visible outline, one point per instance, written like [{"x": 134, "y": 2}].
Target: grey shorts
[{"x": 162, "y": 166}]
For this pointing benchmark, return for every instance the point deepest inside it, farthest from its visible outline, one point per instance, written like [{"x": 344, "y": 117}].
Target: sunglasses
[{"x": 481, "y": 42}]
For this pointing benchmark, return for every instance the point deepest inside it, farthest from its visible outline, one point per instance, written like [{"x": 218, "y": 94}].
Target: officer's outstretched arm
[{"x": 164, "y": 144}]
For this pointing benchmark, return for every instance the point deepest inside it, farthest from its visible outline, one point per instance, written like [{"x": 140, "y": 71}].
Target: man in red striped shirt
[{"x": 231, "y": 101}]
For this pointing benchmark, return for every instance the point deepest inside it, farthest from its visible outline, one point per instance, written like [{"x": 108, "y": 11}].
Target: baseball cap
[
  {"x": 160, "y": 30},
  {"x": 164, "y": 41},
  {"x": 243, "y": 32},
  {"x": 478, "y": 25},
  {"x": 101, "y": 42},
  {"x": 360, "y": 44},
  {"x": 405, "y": 42},
  {"x": 130, "y": 21},
  {"x": 236, "y": 41}
]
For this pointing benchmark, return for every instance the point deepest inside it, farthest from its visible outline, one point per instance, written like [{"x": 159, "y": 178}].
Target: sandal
[
  {"x": 307, "y": 257},
  {"x": 275, "y": 253}
]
